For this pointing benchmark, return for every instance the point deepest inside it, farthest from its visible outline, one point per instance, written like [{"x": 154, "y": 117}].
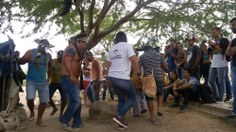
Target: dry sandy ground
[{"x": 172, "y": 121}]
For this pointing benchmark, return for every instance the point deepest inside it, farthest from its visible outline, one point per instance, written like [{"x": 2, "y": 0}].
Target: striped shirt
[{"x": 152, "y": 60}]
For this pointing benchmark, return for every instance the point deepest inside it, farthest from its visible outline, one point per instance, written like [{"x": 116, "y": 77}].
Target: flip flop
[
  {"x": 154, "y": 122},
  {"x": 42, "y": 124}
]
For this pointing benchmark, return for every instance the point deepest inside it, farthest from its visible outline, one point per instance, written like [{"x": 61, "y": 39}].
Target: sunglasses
[{"x": 81, "y": 41}]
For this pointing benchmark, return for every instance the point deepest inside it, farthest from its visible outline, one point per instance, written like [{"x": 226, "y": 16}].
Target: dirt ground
[{"x": 172, "y": 121}]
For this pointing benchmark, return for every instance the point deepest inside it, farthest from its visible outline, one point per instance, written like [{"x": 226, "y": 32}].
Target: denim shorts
[{"x": 43, "y": 90}]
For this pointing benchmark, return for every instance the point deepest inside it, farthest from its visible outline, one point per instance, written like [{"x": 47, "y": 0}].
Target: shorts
[
  {"x": 159, "y": 90},
  {"x": 42, "y": 88}
]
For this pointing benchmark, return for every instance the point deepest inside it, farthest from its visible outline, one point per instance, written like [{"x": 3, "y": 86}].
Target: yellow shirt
[{"x": 56, "y": 72}]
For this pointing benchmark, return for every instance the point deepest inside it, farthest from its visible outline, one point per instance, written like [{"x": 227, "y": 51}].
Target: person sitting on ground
[
  {"x": 55, "y": 83},
  {"x": 169, "y": 89},
  {"x": 187, "y": 88}
]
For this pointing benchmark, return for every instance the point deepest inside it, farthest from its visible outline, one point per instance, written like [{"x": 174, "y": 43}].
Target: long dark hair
[{"x": 120, "y": 37}]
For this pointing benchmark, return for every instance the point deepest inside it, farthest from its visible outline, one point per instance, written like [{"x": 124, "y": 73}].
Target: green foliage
[{"x": 152, "y": 22}]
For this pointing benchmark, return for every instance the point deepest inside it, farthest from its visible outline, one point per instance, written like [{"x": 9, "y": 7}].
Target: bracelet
[{"x": 139, "y": 74}]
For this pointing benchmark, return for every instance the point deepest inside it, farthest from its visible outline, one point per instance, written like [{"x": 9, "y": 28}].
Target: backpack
[
  {"x": 224, "y": 41},
  {"x": 206, "y": 93}
]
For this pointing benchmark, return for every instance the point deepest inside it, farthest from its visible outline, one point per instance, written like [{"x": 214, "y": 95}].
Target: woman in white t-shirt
[{"x": 119, "y": 60}]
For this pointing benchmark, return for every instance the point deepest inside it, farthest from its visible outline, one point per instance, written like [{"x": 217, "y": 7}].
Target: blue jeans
[
  {"x": 140, "y": 103},
  {"x": 126, "y": 94},
  {"x": 74, "y": 107},
  {"x": 52, "y": 89},
  {"x": 228, "y": 85},
  {"x": 104, "y": 86},
  {"x": 92, "y": 93},
  {"x": 233, "y": 77},
  {"x": 180, "y": 72},
  {"x": 218, "y": 73}
]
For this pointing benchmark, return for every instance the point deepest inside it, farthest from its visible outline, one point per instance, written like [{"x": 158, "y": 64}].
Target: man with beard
[{"x": 231, "y": 51}]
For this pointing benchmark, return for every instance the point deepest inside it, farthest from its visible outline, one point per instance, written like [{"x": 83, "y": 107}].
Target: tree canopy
[{"x": 152, "y": 20}]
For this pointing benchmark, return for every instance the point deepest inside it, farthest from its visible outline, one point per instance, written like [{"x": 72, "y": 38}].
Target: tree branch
[
  {"x": 80, "y": 10},
  {"x": 7, "y": 8},
  {"x": 126, "y": 18},
  {"x": 90, "y": 17},
  {"x": 106, "y": 7}
]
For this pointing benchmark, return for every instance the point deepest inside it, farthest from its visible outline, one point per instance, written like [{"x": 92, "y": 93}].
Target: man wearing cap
[
  {"x": 39, "y": 65},
  {"x": 70, "y": 71},
  {"x": 193, "y": 57}
]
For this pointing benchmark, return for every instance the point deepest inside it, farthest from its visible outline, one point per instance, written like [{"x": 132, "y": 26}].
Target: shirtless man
[
  {"x": 94, "y": 86},
  {"x": 70, "y": 71},
  {"x": 40, "y": 63}
]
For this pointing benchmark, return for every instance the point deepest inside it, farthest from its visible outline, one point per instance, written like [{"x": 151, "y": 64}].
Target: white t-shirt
[
  {"x": 219, "y": 60},
  {"x": 119, "y": 57}
]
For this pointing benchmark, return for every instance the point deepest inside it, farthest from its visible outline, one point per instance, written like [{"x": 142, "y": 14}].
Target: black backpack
[
  {"x": 206, "y": 93},
  {"x": 224, "y": 41}
]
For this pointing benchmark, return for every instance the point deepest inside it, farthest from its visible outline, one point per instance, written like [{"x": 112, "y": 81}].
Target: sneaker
[
  {"x": 120, "y": 121},
  {"x": 143, "y": 111},
  {"x": 219, "y": 101},
  {"x": 175, "y": 105},
  {"x": 227, "y": 99},
  {"x": 77, "y": 127},
  {"x": 183, "y": 108},
  {"x": 121, "y": 128},
  {"x": 66, "y": 126},
  {"x": 231, "y": 115}
]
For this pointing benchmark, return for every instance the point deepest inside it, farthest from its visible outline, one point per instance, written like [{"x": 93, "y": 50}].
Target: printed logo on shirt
[{"x": 116, "y": 55}]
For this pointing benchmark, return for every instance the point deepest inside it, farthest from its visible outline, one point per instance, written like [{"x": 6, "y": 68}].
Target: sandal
[{"x": 41, "y": 124}]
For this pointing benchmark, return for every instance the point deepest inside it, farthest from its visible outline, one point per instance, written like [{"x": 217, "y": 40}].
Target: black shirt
[{"x": 233, "y": 44}]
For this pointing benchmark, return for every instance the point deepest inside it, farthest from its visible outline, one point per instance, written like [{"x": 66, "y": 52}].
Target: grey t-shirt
[
  {"x": 193, "y": 81},
  {"x": 192, "y": 55}
]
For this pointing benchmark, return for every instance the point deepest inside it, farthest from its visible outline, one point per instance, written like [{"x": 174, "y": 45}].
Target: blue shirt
[{"x": 38, "y": 68}]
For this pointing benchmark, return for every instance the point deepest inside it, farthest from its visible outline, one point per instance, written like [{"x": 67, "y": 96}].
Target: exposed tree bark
[
  {"x": 90, "y": 23},
  {"x": 97, "y": 36},
  {"x": 80, "y": 9}
]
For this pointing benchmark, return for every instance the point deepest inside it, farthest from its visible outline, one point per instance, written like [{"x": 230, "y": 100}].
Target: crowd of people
[{"x": 122, "y": 74}]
